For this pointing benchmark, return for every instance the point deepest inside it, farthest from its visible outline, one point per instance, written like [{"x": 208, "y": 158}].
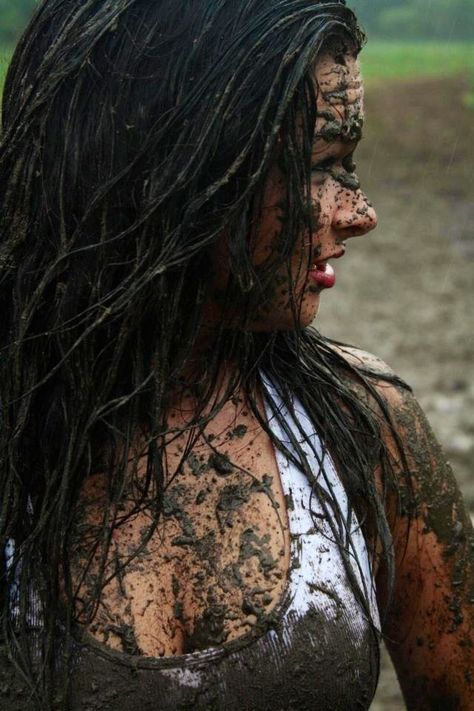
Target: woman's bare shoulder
[
  {"x": 383, "y": 379},
  {"x": 359, "y": 358}
]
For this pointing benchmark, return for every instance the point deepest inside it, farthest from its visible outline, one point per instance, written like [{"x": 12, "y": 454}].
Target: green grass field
[
  {"x": 391, "y": 60},
  {"x": 408, "y": 60},
  {"x": 5, "y": 56}
]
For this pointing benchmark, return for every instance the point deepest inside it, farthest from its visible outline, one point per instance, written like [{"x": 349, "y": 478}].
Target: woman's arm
[{"x": 429, "y": 627}]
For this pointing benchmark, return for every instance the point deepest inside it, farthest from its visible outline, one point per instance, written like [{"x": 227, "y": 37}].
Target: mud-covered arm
[{"x": 429, "y": 628}]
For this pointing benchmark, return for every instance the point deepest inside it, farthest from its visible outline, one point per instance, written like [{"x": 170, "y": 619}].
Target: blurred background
[{"x": 405, "y": 292}]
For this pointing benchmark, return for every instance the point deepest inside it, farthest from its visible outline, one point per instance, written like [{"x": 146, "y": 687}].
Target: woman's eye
[
  {"x": 325, "y": 164},
  {"x": 347, "y": 164}
]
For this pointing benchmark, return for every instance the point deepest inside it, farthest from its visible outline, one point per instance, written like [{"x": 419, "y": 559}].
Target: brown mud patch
[{"x": 406, "y": 291}]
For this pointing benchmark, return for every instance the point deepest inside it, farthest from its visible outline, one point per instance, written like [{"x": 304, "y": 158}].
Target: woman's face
[{"x": 340, "y": 208}]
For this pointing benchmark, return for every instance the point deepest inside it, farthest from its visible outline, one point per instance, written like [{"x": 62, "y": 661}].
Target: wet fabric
[{"x": 317, "y": 650}]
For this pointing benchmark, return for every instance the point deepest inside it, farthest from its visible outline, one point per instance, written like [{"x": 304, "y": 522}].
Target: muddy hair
[{"x": 136, "y": 135}]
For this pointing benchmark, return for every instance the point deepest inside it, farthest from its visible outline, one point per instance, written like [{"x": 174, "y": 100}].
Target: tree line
[
  {"x": 14, "y": 16},
  {"x": 416, "y": 19},
  {"x": 397, "y": 19}
]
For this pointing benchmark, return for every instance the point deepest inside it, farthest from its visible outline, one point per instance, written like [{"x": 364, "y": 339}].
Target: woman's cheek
[{"x": 321, "y": 230}]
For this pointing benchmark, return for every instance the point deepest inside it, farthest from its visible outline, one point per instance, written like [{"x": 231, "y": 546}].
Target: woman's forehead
[
  {"x": 334, "y": 74},
  {"x": 340, "y": 96}
]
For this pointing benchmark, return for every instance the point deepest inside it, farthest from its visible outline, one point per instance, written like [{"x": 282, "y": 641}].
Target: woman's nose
[{"x": 354, "y": 215}]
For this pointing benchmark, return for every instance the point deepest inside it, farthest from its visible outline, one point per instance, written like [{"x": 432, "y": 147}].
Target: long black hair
[{"x": 136, "y": 135}]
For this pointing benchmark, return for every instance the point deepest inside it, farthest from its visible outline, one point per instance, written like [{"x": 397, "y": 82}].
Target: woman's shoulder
[
  {"x": 358, "y": 358},
  {"x": 366, "y": 372},
  {"x": 404, "y": 426}
]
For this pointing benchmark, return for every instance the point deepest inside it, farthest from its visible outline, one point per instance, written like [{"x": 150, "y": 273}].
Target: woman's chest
[{"x": 213, "y": 563}]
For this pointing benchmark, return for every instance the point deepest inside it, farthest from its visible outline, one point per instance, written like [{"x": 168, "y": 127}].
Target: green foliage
[
  {"x": 417, "y": 19},
  {"x": 14, "y": 16},
  {"x": 405, "y": 60},
  {"x": 4, "y": 62}
]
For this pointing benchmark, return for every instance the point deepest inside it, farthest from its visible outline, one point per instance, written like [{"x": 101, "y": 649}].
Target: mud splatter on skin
[
  {"x": 173, "y": 507},
  {"x": 347, "y": 131},
  {"x": 231, "y": 499},
  {"x": 221, "y": 464},
  {"x": 127, "y": 638},
  {"x": 433, "y": 610},
  {"x": 209, "y": 628},
  {"x": 436, "y": 496},
  {"x": 201, "y": 497},
  {"x": 343, "y": 123},
  {"x": 345, "y": 179},
  {"x": 252, "y": 545},
  {"x": 437, "y": 501},
  {"x": 238, "y": 432},
  {"x": 196, "y": 465},
  {"x": 313, "y": 216},
  {"x": 220, "y": 541}
]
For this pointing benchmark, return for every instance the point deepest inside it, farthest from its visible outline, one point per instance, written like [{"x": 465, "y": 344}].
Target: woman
[{"x": 205, "y": 504}]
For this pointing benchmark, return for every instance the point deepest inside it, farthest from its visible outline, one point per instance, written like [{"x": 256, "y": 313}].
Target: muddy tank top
[{"x": 317, "y": 650}]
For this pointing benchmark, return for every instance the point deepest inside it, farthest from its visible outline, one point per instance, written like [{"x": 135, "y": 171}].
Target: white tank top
[{"x": 319, "y": 576}]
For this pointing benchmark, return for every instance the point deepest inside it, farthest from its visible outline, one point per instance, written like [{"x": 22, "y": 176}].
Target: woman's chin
[{"x": 307, "y": 318}]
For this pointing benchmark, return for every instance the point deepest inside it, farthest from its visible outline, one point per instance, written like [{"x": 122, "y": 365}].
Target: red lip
[{"x": 323, "y": 274}]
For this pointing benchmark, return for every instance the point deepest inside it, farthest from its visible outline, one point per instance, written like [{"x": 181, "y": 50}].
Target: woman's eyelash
[
  {"x": 325, "y": 164},
  {"x": 328, "y": 163}
]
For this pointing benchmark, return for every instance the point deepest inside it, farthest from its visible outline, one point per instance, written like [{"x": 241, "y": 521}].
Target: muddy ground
[{"x": 406, "y": 292}]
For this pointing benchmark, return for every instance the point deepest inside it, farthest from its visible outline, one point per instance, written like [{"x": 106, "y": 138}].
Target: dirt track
[{"x": 406, "y": 292}]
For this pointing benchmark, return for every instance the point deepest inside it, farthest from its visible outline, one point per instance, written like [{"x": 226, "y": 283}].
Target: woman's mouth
[{"x": 323, "y": 275}]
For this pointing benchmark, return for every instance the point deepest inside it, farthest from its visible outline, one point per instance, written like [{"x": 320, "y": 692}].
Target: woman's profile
[{"x": 205, "y": 503}]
